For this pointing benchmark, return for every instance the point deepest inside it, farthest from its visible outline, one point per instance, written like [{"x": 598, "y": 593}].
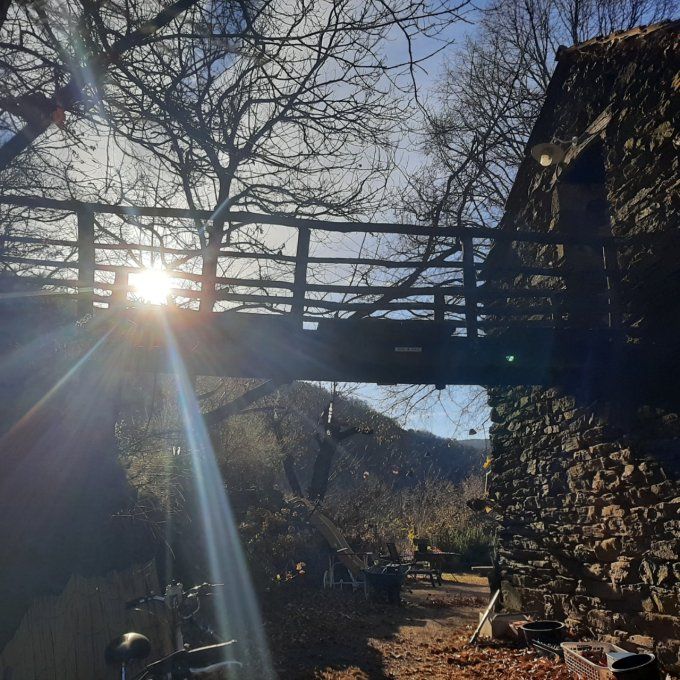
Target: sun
[{"x": 152, "y": 286}]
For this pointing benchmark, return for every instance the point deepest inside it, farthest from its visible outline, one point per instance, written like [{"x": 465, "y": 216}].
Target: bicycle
[{"x": 181, "y": 607}]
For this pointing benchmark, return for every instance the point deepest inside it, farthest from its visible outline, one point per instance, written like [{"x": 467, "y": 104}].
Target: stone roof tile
[{"x": 618, "y": 37}]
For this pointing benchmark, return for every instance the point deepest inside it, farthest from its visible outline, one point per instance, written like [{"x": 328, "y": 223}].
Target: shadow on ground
[{"x": 334, "y": 634}]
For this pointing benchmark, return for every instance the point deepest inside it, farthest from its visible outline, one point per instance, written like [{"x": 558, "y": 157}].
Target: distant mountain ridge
[
  {"x": 400, "y": 457},
  {"x": 477, "y": 444}
]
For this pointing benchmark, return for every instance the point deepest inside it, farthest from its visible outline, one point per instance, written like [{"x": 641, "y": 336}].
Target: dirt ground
[{"x": 339, "y": 635}]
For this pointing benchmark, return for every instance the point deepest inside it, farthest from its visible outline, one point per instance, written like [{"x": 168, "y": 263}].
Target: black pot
[
  {"x": 551, "y": 632},
  {"x": 636, "y": 667}
]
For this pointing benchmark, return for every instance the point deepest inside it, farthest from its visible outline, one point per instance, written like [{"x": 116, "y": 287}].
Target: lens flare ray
[{"x": 237, "y": 611}]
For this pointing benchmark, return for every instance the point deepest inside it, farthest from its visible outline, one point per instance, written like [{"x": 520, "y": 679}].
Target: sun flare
[{"x": 152, "y": 286}]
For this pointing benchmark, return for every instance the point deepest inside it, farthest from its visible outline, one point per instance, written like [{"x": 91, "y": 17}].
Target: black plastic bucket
[
  {"x": 386, "y": 581},
  {"x": 551, "y": 632},
  {"x": 636, "y": 667}
]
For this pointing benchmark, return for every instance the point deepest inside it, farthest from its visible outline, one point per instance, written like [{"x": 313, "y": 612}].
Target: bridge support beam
[{"x": 354, "y": 350}]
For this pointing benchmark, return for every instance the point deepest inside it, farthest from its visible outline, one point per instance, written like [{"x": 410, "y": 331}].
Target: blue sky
[
  {"x": 451, "y": 413},
  {"x": 446, "y": 413}
]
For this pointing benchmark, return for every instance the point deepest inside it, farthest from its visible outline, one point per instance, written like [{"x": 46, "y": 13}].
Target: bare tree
[
  {"x": 262, "y": 105},
  {"x": 53, "y": 75},
  {"x": 298, "y": 117}
]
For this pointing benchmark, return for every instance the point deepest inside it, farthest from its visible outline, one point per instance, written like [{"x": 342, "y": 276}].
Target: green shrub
[{"x": 472, "y": 541}]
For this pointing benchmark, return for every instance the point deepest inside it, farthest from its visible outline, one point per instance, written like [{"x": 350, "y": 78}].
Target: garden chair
[
  {"x": 353, "y": 563},
  {"x": 343, "y": 570}
]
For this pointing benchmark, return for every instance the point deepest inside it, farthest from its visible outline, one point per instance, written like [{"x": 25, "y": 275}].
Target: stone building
[{"x": 585, "y": 477}]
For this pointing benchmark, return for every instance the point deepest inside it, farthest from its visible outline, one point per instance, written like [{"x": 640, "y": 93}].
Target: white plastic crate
[{"x": 581, "y": 667}]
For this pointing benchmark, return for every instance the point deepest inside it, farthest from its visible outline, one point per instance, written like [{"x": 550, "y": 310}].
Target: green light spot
[{"x": 510, "y": 358}]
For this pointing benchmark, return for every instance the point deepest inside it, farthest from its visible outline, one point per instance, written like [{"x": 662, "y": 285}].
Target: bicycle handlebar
[
  {"x": 210, "y": 655},
  {"x": 132, "y": 604},
  {"x": 202, "y": 589},
  {"x": 193, "y": 662}
]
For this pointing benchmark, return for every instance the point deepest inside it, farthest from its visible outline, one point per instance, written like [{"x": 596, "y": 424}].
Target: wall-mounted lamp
[
  {"x": 548, "y": 153},
  {"x": 552, "y": 153}
]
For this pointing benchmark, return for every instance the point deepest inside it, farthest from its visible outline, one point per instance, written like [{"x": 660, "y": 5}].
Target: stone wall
[{"x": 586, "y": 483}]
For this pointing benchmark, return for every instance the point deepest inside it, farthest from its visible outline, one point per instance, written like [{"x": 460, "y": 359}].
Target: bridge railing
[{"x": 457, "y": 284}]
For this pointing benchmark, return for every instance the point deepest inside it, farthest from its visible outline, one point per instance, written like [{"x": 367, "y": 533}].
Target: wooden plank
[
  {"x": 38, "y": 262},
  {"x": 161, "y": 250},
  {"x": 395, "y": 292},
  {"x": 387, "y": 264},
  {"x": 498, "y": 273},
  {"x": 300, "y": 276},
  {"x": 197, "y": 294},
  {"x": 271, "y": 346},
  {"x": 378, "y": 306},
  {"x": 484, "y": 295},
  {"x": 485, "y": 616},
  {"x": 39, "y": 241},
  {"x": 331, "y": 305},
  {"x": 121, "y": 285},
  {"x": 86, "y": 261},
  {"x": 452, "y": 324},
  {"x": 45, "y": 281},
  {"x": 296, "y": 222},
  {"x": 470, "y": 287},
  {"x": 197, "y": 278},
  {"x": 265, "y": 284},
  {"x": 64, "y": 636},
  {"x": 439, "y": 306}
]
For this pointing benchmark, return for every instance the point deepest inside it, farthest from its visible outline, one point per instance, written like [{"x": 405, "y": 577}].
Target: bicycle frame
[{"x": 182, "y": 662}]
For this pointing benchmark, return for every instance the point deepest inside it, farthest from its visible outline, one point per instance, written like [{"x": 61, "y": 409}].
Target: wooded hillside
[
  {"x": 381, "y": 486},
  {"x": 285, "y": 423}
]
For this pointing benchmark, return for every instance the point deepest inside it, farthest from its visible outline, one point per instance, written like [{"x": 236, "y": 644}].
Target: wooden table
[{"x": 440, "y": 562}]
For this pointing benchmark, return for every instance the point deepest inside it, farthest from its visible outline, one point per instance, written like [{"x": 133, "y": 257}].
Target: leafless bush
[{"x": 434, "y": 509}]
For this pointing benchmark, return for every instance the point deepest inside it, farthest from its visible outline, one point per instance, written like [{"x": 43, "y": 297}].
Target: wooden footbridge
[{"x": 320, "y": 304}]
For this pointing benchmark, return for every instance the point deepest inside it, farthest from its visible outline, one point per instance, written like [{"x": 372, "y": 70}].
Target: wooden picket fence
[{"x": 64, "y": 637}]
